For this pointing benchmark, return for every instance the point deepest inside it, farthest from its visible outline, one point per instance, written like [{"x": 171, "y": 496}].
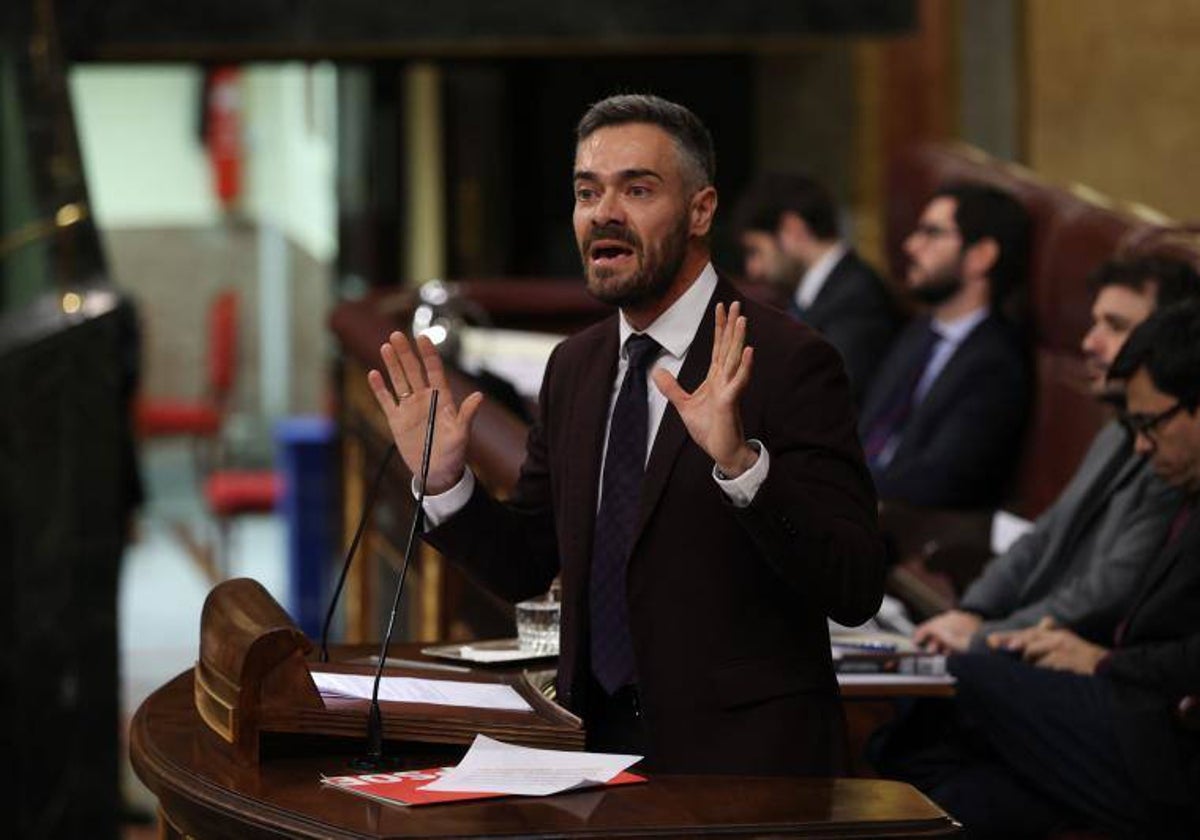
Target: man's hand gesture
[
  {"x": 711, "y": 412},
  {"x": 413, "y": 379}
]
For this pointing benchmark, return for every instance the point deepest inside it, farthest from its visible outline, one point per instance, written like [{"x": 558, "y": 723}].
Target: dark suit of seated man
[
  {"x": 942, "y": 422},
  {"x": 790, "y": 236},
  {"x": 1080, "y": 732},
  {"x": 705, "y": 501},
  {"x": 1081, "y": 562}
]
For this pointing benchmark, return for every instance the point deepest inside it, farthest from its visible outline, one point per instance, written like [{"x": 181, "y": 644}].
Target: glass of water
[{"x": 537, "y": 625}]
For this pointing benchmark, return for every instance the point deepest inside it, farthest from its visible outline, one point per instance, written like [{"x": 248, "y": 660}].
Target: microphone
[
  {"x": 375, "y": 759},
  {"x": 358, "y": 532}
]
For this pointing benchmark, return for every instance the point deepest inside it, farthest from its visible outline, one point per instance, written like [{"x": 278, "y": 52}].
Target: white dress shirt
[
  {"x": 674, "y": 330},
  {"x": 818, "y": 273}
]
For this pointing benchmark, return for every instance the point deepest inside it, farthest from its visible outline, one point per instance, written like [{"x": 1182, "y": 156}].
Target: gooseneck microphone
[
  {"x": 368, "y": 505},
  {"x": 374, "y": 759}
]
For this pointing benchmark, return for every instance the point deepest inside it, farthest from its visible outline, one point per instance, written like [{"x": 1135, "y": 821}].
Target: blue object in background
[{"x": 306, "y": 447}]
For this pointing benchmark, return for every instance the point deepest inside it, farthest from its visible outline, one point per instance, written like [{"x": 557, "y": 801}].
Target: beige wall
[
  {"x": 1113, "y": 98},
  {"x": 173, "y": 275}
]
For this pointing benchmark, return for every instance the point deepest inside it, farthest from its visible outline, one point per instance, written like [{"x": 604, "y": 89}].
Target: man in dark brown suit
[{"x": 706, "y": 517}]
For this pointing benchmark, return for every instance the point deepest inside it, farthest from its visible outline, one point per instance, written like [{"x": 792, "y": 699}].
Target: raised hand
[
  {"x": 710, "y": 413},
  {"x": 413, "y": 379}
]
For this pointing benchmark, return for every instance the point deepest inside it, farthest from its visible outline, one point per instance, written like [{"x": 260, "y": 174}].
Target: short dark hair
[
  {"x": 1173, "y": 280},
  {"x": 1167, "y": 345},
  {"x": 772, "y": 194},
  {"x": 982, "y": 211},
  {"x": 689, "y": 133}
]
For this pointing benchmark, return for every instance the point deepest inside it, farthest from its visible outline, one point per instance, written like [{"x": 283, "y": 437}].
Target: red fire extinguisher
[{"x": 223, "y": 132}]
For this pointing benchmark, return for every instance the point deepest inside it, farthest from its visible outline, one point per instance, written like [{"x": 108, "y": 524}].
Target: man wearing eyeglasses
[
  {"x": 1067, "y": 731},
  {"x": 942, "y": 420},
  {"x": 1080, "y": 562}
]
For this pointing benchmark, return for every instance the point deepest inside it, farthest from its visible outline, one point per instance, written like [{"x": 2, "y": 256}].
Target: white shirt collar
[
  {"x": 818, "y": 273},
  {"x": 675, "y": 328},
  {"x": 957, "y": 330}
]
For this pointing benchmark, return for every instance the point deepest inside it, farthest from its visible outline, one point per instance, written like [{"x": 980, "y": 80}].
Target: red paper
[{"x": 404, "y": 788}]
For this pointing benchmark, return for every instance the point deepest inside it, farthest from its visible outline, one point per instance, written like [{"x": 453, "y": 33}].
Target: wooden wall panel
[{"x": 1112, "y": 96}]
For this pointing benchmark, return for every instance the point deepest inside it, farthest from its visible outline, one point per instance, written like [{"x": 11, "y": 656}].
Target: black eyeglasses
[
  {"x": 1145, "y": 424},
  {"x": 930, "y": 231}
]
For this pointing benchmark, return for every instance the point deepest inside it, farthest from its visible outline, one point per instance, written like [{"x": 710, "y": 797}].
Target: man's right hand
[
  {"x": 414, "y": 379},
  {"x": 949, "y": 632}
]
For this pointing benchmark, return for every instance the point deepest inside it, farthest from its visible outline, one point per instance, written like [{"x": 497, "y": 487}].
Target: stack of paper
[
  {"x": 490, "y": 769},
  {"x": 414, "y": 690},
  {"x": 494, "y": 767},
  {"x": 449, "y": 710}
]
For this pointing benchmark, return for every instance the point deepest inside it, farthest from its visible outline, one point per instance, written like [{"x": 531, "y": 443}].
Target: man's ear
[
  {"x": 793, "y": 230},
  {"x": 979, "y": 258},
  {"x": 703, "y": 208}
]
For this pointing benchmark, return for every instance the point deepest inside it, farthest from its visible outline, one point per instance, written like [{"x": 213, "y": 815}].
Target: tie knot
[{"x": 640, "y": 350}]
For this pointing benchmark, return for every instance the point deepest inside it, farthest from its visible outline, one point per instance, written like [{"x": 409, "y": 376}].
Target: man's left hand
[
  {"x": 1050, "y": 646},
  {"x": 711, "y": 412}
]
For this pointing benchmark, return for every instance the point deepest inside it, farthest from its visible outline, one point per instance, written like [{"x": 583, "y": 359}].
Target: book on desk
[{"x": 883, "y": 653}]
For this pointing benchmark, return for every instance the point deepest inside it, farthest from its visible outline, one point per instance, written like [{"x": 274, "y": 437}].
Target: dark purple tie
[
  {"x": 893, "y": 415},
  {"x": 624, "y": 465}
]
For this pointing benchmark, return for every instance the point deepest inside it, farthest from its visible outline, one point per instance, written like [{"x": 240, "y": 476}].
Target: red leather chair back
[{"x": 1073, "y": 234}]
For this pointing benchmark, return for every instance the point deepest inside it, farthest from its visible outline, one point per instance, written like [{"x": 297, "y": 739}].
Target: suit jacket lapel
[
  {"x": 897, "y": 365},
  {"x": 672, "y": 434},
  {"x": 833, "y": 290},
  {"x": 1166, "y": 559},
  {"x": 947, "y": 377},
  {"x": 1117, "y": 469},
  {"x": 586, "y": 424}
]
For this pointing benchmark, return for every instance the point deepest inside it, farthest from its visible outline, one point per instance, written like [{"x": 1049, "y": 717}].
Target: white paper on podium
[
  {"x": 491, "y": 766},
  {"x": 413, "y": 690}
]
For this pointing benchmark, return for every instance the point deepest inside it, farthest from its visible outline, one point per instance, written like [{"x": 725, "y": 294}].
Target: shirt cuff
[
  {"x": 1104, "y": 663},
  {"x": 742, "y": 490},
  {"x": 441, "y": 507}
]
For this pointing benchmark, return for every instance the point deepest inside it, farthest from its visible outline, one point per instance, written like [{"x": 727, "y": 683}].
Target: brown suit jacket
[{"x": 727, "y": 605}]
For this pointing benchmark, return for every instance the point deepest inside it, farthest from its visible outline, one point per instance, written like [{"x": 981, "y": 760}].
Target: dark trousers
[{"x": 1019, "y": 752}]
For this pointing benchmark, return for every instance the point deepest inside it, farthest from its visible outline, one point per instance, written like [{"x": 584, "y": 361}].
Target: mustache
[{"x": 615, "y": 233}]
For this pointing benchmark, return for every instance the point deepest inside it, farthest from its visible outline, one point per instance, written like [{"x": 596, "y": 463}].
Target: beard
[
  {"x": 937, "y": 290},
  {"x": 787, "y": 273},
  {"x": 656, "y": 270}
]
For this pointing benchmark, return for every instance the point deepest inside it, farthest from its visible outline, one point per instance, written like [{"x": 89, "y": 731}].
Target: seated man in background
[
  {"x": 1081, "y": 561},
  {"x": 789, "y": 232},
  {"x": 942, "y": 421},
  {"x": 1082, "y": 732}
]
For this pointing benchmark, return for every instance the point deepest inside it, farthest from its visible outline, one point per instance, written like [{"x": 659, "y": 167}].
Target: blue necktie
[{"x": 624, "y": 466}]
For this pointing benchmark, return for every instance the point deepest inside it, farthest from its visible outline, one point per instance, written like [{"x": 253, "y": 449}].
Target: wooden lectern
[
  {"x": 253, "y": 677},
  {"x": 197, "y": 741}
]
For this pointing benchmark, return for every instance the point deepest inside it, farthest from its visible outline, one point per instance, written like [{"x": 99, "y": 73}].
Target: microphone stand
[
  {"x": 375, "y": 759},
  {"x": 358, "y": 532}
]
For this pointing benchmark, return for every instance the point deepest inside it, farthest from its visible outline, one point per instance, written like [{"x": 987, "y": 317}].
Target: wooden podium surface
[{"x": 202, "y": 793}]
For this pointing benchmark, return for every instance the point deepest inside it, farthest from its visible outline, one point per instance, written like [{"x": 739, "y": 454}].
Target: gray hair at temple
[{"x": 691, "y": 136}]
